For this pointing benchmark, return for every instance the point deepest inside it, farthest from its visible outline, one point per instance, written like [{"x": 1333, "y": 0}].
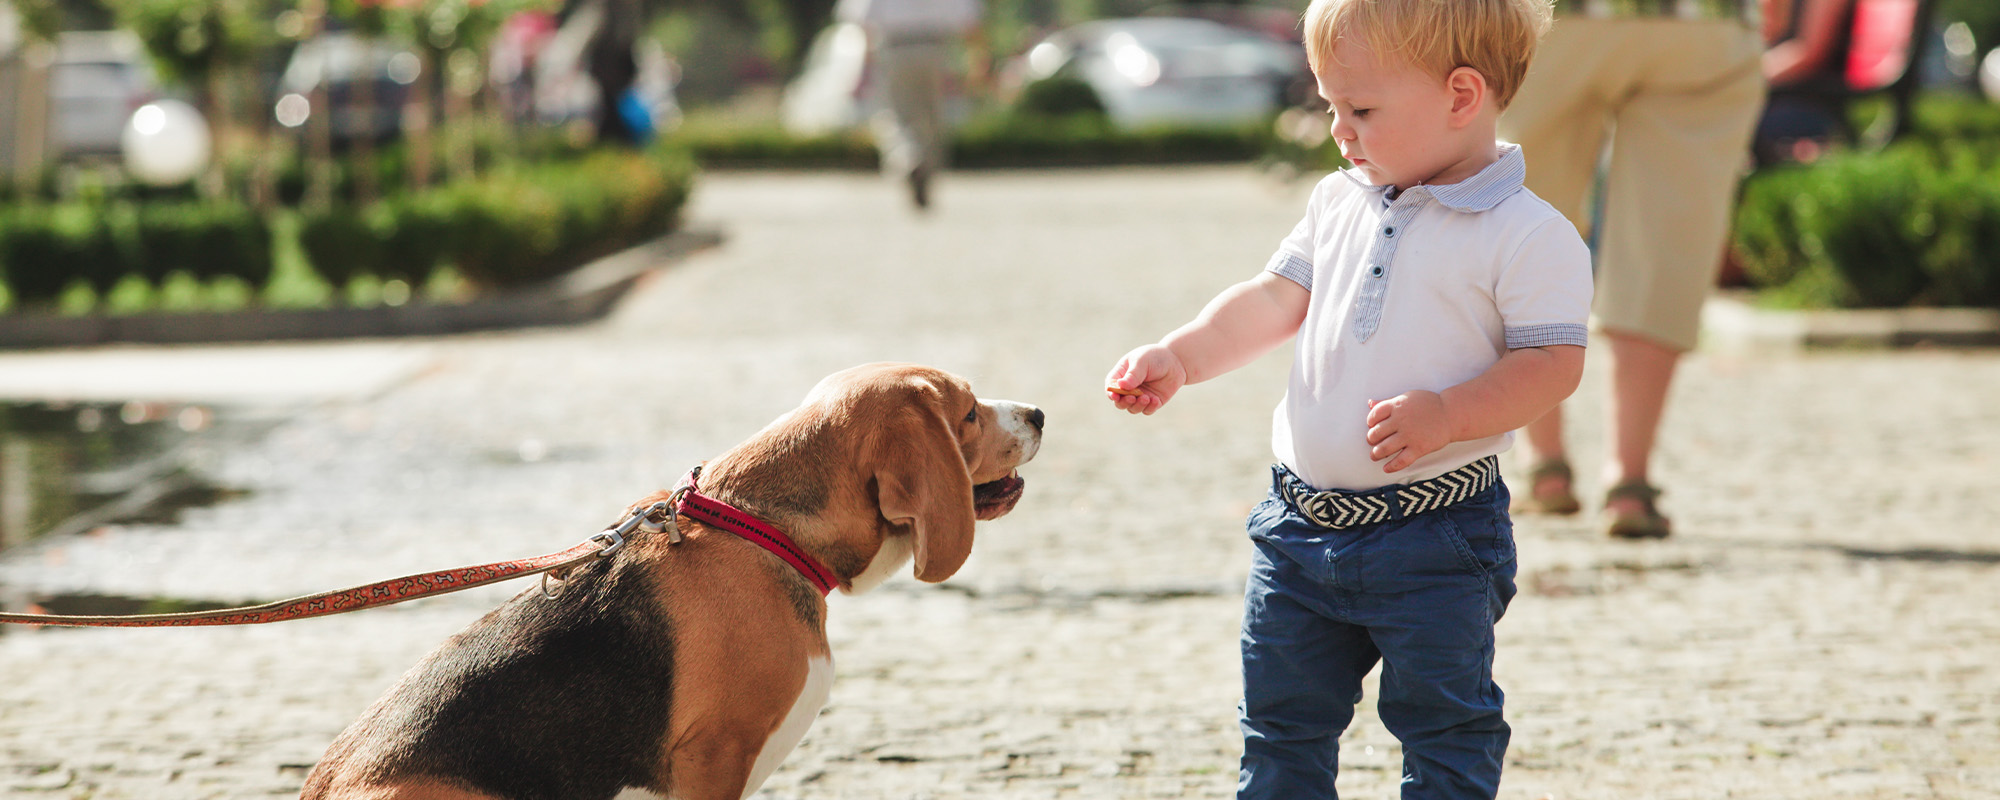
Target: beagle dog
[{"x": 689, "y": 663}]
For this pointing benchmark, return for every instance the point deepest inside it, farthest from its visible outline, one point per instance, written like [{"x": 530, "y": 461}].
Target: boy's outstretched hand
[
  {"x": 1145, "y": 379},
  {"x": 1407, "y": 427}
]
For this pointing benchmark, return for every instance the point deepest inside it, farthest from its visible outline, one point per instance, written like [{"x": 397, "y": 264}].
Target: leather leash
[
  {"x": 656, "y": 517},
  {"x": 389, "y": 592}
]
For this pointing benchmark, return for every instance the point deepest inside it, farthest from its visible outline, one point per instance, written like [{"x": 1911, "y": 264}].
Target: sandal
[
  {"x": 1643, "y": 522},
  {"x": 1551, "y": 490}
]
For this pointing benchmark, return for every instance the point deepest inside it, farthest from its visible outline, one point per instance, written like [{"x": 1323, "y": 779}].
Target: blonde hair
[{"x": 1495, "y": 37}]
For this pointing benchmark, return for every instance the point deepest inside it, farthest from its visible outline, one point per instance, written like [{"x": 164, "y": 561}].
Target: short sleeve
[
  {"x": 1294, "y": 259},
  {"x": 1544, "y": 290}
]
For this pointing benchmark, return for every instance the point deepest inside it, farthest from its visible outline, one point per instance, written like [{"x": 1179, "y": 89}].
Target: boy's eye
[{"x": 1362, "y": 112}]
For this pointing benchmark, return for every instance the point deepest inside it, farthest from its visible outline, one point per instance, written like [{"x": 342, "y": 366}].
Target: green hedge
[
  {"x": 1089, "y": 139},
  {"x": 1001, "y": 141},
  {"x": 517, "y": 225},
  {"x": 1914, "y": 225},
  {"x": 514, "y": 227},
  {"x": 46, "y": 248}
]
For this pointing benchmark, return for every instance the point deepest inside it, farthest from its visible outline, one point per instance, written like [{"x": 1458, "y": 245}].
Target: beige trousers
[
  {"x": 910, "y": 127},
  {"x": 1670, "y": 106}
]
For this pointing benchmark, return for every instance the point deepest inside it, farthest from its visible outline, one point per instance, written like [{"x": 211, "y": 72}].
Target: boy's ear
[{"x": 1468, "y": 93}]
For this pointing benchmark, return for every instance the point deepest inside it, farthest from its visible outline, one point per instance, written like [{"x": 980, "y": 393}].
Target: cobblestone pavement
[{"x": 1823, "y": 625}]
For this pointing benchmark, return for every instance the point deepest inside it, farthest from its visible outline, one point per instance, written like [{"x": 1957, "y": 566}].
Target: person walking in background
[
  {"x": 910, "y": 46},
  {"x": 1673, "y": 88},
  {"x": 1435, "y": 306}
]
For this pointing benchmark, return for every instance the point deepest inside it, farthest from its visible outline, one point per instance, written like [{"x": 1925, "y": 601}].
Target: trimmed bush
[
  {"x": 339, "y": 244},
  {"x": 773, "y": 147},
  {"x": 204, "y": 240},
  {"x": 511, "y": 228},
  {"x": 1909, "y": 226},
  {"x": 1058, "y": 97},
  {"x": 1015, "y": 139},
  {"x": 1083, "y": 139},
  {"x": 46, "y": 248}
]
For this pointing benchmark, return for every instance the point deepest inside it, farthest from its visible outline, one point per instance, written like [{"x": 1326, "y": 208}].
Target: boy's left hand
[{"x": 1407, "y": 427}]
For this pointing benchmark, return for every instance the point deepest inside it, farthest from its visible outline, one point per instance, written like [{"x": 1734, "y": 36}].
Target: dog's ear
[{"x": 923, "y": 484}]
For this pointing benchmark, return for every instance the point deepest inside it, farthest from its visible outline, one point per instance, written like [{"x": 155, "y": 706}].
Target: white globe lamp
[
  {"x": 1989, "y": 75},
  {"x": 166, "y": 143}
]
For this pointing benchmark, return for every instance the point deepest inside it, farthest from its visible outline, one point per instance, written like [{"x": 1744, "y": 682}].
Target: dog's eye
[{"x": 972, "y": 416}]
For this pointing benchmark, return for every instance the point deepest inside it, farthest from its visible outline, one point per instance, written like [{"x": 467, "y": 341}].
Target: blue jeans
[{"x": 1322, "y": 606}]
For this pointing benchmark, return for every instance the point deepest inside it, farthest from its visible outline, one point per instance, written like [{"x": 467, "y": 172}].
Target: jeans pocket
[
  {"x": 1483, "y": 538},
  {"x": 1264, "y": 518}
]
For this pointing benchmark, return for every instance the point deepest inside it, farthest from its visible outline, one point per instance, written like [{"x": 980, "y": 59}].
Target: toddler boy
[{"x": 1437, "y": 305}]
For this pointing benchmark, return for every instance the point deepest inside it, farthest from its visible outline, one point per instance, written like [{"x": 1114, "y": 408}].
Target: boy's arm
[
  {"x": 1518, "y": 389},
  {"x": 1245, "y": 321}
]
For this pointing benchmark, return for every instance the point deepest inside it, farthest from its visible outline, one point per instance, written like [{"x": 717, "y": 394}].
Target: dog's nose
[{"x": 1036, "y": 418}]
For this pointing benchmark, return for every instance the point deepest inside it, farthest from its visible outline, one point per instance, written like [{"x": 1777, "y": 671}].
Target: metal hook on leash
[{"x": 644, "y": 520}]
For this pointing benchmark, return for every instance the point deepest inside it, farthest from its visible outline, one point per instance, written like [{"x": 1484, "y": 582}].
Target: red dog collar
[{"x": 692, "y": 503}]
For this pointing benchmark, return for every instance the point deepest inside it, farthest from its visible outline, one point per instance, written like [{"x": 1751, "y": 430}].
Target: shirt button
[
  {"x": 1376, "y": 271},
  {"x": 1389, "y": 231}
]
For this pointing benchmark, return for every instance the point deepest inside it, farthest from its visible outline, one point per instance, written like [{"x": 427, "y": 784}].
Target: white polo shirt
[{"x": 1423, "y": 291}]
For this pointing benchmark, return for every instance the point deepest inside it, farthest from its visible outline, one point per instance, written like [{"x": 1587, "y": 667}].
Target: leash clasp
[{"x": 660, "y": 516}]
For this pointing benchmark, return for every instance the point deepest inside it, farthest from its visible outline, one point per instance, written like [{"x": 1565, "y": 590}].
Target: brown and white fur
[{"x": 691, "y": 670}]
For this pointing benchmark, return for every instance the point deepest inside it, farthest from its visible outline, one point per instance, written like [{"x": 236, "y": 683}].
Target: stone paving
[{"x": 1825, "y": 624}]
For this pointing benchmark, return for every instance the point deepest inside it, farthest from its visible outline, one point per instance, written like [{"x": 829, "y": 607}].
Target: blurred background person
[
  {"x": 911, "y": 47},
  {"x": 1675, "y": 98},
  {"x": 1807, "y": 41}
]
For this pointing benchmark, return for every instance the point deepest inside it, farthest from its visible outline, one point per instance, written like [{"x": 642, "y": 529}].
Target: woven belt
[{"x": 1339, "y": 510}]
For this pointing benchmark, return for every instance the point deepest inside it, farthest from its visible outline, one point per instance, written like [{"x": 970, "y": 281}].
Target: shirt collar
[{"x": 1480, "y": 192}]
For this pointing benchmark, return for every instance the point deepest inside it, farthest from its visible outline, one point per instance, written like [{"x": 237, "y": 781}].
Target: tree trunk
[
  {"x": 30, "y": 66},
  {"x": 417, "y": 115}
]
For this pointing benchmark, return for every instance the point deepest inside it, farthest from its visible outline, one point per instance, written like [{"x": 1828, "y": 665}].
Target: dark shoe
[
  {"x": 920, "y": 188},
  {"x": 1551, "y": 490},
  {"x": 1631, "y": 512}
]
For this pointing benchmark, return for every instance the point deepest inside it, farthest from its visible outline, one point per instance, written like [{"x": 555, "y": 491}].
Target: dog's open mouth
[{"x": 995, "y": 498}]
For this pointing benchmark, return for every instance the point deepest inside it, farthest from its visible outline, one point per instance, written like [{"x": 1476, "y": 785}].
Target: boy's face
[{"x": 1391, "y": 119}]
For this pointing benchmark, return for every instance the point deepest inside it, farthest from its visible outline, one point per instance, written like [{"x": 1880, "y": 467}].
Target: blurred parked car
[
  {"x": 345, "y": 62},
  {"x": 1170, "y": 70},
  {"x": 97, "y": 80},
  {"x": 1278, "y": 22},
  {"x": 831, "y": 92}
]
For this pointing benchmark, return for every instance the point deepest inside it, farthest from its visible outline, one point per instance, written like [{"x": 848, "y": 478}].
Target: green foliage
[
  {"x": 1000, "y": 141},
  {"x": 1914, "y": 225},
  {"x": 1982, "y": 15},
  {"x": 366, "y": 17},
  {"x": 39, "y": 19},
  {"x": 203, "y": 240},
  {"x": 47, "y": 250},
  {"x": 1084, "y": 139},
  {"x": 44, "y": 249},
  {"x": 771, "y": 146},
  {"x": 1940, "y": 119},
  {"x": 1058, "y": 97},
  {"x": 189, "y": 39},
  {"x": 339, "y": 243},
  {"x": 516, "y": 227}
]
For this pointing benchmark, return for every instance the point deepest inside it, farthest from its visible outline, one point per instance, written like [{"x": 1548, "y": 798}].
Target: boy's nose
[{"x": 1341, "y": 131}]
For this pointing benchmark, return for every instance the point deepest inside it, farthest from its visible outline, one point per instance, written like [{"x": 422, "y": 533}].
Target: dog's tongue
[{"x": 995, "y": 498}]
